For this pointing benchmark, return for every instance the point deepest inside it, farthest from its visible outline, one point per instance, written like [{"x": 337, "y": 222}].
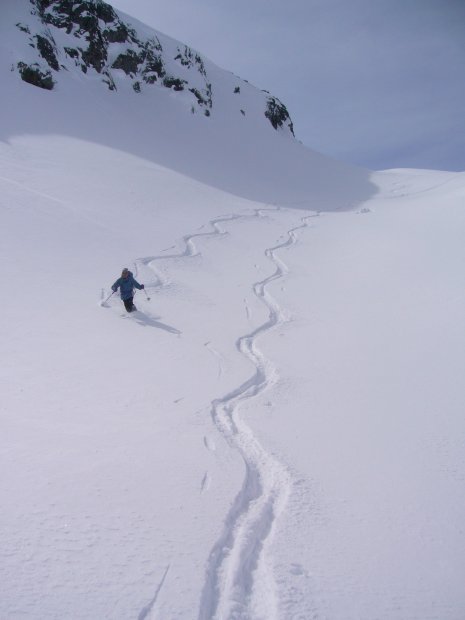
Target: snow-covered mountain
[
  {"x": 156, "y": 98},
  {"x": 90, "y": 36},
  {"x": 277, "y": 433}
]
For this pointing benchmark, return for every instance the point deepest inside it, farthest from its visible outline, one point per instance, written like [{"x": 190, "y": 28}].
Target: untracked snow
[{"x": 278, "y": 433}]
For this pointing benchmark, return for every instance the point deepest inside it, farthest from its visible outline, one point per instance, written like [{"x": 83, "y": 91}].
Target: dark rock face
[
  {"x": 32, "y": 74},
  {"x": 188, "y": 58},
  {"x": 154, "y": 69},
  {"x": 277, "y": 114},
  {"x": 108, "y": 80},
  {"x": 82, "y": 20},
  {"x": 23, "y": 28},
  {"x": 90, "y": 27},
  {"x": 71, "y": 52},
  {"x": 129, "y": 62},
  {"x": 66, "y": 13},
  {"x": 204, "y": 98},
  {"x": 96, "y": 54},
  {"x": 120, "y": 34},
  {"x": 174, "y": 83},
  {"x": 47, "y": 51}
]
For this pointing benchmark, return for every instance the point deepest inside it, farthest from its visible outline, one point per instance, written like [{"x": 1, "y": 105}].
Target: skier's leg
[{"x": 128, "y": 304}]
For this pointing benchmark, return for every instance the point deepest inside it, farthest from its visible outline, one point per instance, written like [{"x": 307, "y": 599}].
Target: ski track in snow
[
  {"x": 148, "y": 608},
  {"x": 209, "y": 444},
  {"x": 219, "y": 358},
  {"x": 205, "y": 484},
  {"x": 239, "y": 583}
]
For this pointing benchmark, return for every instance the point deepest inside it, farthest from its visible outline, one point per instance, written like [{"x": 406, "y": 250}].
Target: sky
[{"x": 378, "y": 83}]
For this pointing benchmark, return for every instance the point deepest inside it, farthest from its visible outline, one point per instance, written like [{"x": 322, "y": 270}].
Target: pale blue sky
[{"x": 380, "y": 83}]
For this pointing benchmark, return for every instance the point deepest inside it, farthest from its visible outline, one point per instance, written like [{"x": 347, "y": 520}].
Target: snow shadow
[
  {"x": 147, "y": 321},
  {"x": 251, "y": 161}
]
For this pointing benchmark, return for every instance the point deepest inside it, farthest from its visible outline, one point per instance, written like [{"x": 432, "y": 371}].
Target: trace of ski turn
[
  {"x": 237, "y": 574},
  {"x": 239, "y": 583}
]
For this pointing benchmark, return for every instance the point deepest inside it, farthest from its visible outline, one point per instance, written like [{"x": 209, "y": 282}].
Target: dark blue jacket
[{"x": 126, "y": 286}]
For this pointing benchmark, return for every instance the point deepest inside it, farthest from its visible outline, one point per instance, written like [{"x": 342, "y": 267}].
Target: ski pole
[
  {"x": 105, "y": 300},
  {"x": 148, "y": 298}
]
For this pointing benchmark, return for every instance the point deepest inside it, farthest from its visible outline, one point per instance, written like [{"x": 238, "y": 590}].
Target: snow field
[
  {"x": 79, "y": 401},
  {"x": 278, "y": 433},
  {"x": 373, "y": 360},
  {"x": 237, "y": 571}
]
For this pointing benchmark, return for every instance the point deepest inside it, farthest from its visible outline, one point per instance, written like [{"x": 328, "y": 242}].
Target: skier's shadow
[{"x": 145, "y": 320}]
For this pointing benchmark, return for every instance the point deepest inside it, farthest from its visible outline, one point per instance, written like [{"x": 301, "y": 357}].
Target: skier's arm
[
  {"x": 137, "y": 285},
  {"x": 115, "y": 286}
]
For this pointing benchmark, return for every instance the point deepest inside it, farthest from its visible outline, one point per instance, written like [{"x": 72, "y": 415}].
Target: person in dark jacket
[{"x": 126, "y": 285}]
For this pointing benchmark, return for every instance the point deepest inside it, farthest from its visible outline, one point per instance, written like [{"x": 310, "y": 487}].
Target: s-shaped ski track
[
  {"x": 190, "y": 250},
  {"x": 239, "y": 582}
]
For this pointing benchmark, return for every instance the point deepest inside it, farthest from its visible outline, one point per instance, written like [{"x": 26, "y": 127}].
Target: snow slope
[{"x": 278, "y": 432}]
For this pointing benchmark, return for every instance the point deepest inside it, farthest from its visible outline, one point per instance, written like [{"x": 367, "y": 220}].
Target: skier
[{"x": 126, "y": 285}]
